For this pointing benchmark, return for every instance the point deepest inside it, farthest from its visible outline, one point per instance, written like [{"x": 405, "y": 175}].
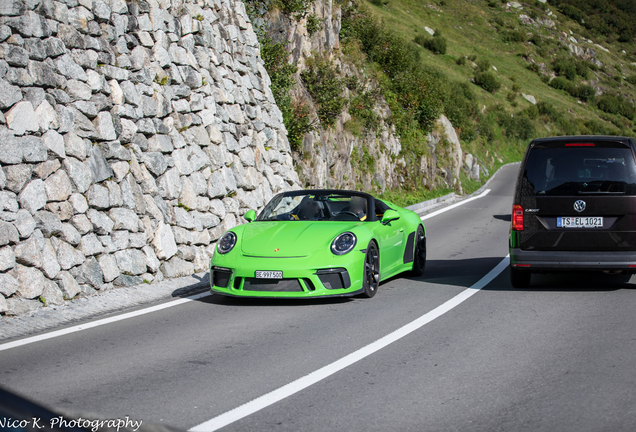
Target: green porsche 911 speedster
[{"x": 318, "y": 243}]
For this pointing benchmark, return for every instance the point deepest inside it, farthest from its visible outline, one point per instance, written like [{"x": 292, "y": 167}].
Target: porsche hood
[{"x": 286, "y": 239}]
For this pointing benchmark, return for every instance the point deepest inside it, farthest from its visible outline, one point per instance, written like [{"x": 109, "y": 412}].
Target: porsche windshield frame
[{"x": 319, "y": 205}]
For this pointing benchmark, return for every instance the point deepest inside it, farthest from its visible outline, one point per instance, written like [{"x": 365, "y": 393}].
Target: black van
[{"x": 574, "y": 207}]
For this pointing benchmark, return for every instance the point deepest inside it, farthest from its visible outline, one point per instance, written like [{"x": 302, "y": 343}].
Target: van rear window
[{"x": 580, "y": 171}]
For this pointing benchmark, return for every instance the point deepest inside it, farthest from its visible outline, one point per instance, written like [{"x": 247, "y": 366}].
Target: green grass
[
  {"x": 477, "y": 31},
  {"x": 494, "y": 124},
  {"x": 468, "y": 30}
]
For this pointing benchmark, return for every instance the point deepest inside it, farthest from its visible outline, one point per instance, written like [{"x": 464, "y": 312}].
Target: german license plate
[
  {"x": 580, "y": 222},
  {"x": 266, "y": 274}
]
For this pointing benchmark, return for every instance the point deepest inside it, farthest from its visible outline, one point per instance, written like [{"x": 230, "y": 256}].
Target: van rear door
[{"x": 578, "y": 196}]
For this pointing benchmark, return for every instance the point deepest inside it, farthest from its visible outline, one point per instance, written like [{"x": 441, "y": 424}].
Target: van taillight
[{"x": 517, "y": 217}]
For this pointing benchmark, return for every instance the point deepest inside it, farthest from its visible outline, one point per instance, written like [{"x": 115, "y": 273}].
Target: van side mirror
[
  {"x": 250, "y": 216},
  {"x": 389, "y": 216}
]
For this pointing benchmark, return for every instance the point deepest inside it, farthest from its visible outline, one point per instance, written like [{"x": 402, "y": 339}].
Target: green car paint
[{"x": 302, "y": 249}]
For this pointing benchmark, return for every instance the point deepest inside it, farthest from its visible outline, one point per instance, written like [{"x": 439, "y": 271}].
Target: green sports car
[{"x": 318, "y": 243}]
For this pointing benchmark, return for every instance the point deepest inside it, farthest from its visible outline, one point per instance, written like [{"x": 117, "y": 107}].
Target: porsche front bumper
[{"x": 303, "y": 277}]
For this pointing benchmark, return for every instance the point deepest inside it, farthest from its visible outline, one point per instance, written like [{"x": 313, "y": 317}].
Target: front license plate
[
  {"x": 262, "y": 274},
  {"x": 580, "y": 222}
]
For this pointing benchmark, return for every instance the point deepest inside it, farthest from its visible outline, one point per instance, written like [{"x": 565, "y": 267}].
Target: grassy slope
[
  {"x": 465, "y": 24},
  {"x": 467, "y": 27}
]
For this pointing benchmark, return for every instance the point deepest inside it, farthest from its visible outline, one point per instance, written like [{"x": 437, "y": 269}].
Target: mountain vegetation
[{"x": 502, "y": 72}]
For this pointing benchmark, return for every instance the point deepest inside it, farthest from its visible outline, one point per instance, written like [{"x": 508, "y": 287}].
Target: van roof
[{"x": 597, "y": 138}]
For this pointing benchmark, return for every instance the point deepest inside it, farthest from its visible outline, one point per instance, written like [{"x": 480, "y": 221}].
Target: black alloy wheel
[
  {"x": 419, "y": 255},
  {"x": 371, "y": 280}
]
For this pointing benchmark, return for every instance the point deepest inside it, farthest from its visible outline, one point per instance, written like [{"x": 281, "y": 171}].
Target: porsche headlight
[
  {"x": 226, "y": 243},
  {"x": 344, "y": 243}
]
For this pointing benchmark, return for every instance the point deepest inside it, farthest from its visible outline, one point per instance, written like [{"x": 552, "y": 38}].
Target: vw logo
[{"x": 579, "y": 205}]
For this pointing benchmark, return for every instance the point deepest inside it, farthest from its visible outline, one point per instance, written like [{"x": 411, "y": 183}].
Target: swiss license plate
[
  {"x": 266, "y": 274},
  {"x": 580, "y": 222}
]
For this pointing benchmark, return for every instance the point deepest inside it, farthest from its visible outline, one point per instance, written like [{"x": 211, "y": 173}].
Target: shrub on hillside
[
  {"x": 518, "y": 126},
  {"x": 536, "y": 39},
  {"x": 296, "y": 8},
  {"x": 393, "y": 53},
  {"x": 488, "y": 81},
  {"x": 565, "y": 67},
  {"x": 613, "y": 19},
  {"x": 570, "y": 67},
  {"x": 314, "y": 24},
  {"x": 532, "y": 112},
  {"x": 513, "y": 36},
  {"x": 460, "y": 106},
  {"x": 325, "y": 87},
  {"x": 615, "y": 104},
  {"x": 483, "y": 65},
  {"x": 299, "y": 123},
  {"x": 281, "y": 73},
  {"x": 419, "y": 93},
  {"x": 548, "y": 110},
  {"x": 609, "y": 103},
  {"x": 561, "y": 83},
  {"x": 595, "y": 127},
  {"x": 362, "y": 108},
  {"x": 573, "y": 12},
  {"x": 412, "y": 87},
  {"x": 584, "y": 92},
  {"x": 436, "y": 44}
]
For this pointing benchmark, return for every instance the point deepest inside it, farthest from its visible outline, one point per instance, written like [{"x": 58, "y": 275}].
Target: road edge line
[
  {"x": 457, "y": 204},
  {"x": 56, "y": 333},
  {"x": 308, "y": 380}
]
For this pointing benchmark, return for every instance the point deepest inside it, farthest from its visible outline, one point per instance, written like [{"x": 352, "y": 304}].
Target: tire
[
  {"x": 419, "y": 254},
  {"x": 520, "y": 278},
  {"x": 371, "y": 271}
]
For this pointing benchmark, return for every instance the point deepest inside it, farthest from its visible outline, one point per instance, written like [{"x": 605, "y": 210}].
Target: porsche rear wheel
[
  {"x": 371, "y": 280},
  {"x": 419, "y": 255}
]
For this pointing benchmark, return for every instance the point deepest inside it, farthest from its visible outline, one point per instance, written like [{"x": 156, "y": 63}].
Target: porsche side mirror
[
  {"x": 250, "y": 216},
  {"x": 389, "y": 216}
]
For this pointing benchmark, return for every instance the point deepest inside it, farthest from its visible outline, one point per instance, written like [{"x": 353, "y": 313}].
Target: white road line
[
  {"x": 53, "y": 334},
  {"x": 450, "y": 207},
  {"x": 302, "y": 383},
  {"x": 80, "y": 327}
]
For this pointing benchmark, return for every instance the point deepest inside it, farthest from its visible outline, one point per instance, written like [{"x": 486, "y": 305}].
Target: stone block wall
[{"x": 132, "y": 135}]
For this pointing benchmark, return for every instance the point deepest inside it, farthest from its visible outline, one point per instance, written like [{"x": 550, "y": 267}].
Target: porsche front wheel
[
  {"x": 419, "y": 255},
  {"x": 371, "y": 280}
]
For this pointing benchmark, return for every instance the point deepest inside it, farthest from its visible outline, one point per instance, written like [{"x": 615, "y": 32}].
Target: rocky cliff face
[
  {"x": 337, "y": 156},
  {"x": 333, "y": 156},
  {"x": 132, "y": 135}
]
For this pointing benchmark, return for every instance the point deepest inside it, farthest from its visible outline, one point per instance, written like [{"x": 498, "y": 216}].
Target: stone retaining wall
[{"x": 132, "y": 135}]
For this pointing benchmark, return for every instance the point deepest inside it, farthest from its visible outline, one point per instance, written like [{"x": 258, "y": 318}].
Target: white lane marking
[
  {"x": 80, "y": 327},
  {"x": 302, "y": 383},
  {"x": 50, "y": 335},
  {"x": 450, "y": 207}
]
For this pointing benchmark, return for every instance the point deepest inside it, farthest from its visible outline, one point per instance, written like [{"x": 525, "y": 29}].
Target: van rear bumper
[{"x": 572, "y": 260}]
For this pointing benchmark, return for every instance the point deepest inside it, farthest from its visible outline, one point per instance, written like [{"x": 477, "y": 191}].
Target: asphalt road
[{"x": 561, "y": 357}]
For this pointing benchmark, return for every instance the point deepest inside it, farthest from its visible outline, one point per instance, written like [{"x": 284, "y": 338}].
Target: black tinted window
[{"x": 580, "y": 171}]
